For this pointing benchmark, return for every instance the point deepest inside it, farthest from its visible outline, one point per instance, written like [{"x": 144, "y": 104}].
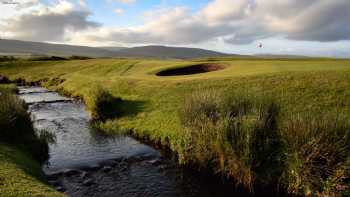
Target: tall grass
[
  {"x": 318, "y": 158},
  {"x": 16, "y": 128},
  {"x": 246, "y": 137},
  {"x": 102, "y": 104}
]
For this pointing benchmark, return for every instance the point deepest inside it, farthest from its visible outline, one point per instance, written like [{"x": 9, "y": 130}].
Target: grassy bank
[
  {"x": 20, "y": 174},
  {"x": 22, "y": 150},
  {"x": 150, "y": 106},
  {"x": 260, "y": 144}
]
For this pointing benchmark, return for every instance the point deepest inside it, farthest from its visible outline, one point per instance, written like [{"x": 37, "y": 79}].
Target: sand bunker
[{"x": 191, "y": 70}]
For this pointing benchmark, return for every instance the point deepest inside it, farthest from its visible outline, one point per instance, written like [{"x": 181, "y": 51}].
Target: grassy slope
[
  {"x": 154, "y": 101},
  {"x": 20, "y": 174}
]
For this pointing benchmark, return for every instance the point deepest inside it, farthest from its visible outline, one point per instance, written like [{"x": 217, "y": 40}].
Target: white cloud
[
  {"x": 47, "y": 23},
  {"x": 119, "y": 11},
  {"x": 82, "y": 3},
  {"x": 239, "y": 22},
  {"x": 127, "y": 1},
  {"x": 123, "y": 1},
  {"x": 235, "y": 22}
]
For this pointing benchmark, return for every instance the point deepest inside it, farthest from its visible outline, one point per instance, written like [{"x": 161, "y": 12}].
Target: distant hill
[
  {"x": 273, "y": 56},
  {"x": 113, "y": 48},
  {"x": 169, "y": 52},
  {"x": 25, "y": 48},
  {"x": 38, "y": 48}
]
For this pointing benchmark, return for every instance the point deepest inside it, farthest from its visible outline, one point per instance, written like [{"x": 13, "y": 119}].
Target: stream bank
[{"x": 85, "y": 162}]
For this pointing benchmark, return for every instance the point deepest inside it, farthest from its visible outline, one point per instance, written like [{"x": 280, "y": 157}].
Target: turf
[
  {"x": 20, "y": 175},
  {"x": 20, "y": 172},
  {"x": 152, "y": 103}
]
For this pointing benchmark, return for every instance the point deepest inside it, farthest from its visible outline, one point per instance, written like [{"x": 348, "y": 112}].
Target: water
[{"x": 86, "y": 163}]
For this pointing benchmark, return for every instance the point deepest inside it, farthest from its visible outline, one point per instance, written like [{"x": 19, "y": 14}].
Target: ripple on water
[{"x": 84, "y": 162}]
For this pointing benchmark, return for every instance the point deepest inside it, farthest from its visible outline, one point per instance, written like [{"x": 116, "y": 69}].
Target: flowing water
[{"x": 86, "y": 163}]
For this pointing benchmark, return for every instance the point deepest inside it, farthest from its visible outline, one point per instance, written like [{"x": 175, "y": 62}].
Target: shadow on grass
[
  {"x": 131, "y": 108},
  {"x": 20, "y": 159},
  {"x": 117, "y": 108}
]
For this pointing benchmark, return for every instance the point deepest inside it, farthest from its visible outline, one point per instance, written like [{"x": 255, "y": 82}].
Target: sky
[{"x": 296, "y": 27}]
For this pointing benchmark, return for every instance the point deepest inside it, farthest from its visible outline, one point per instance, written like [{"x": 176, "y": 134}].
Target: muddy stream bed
[{"x": 84, "y": 162}]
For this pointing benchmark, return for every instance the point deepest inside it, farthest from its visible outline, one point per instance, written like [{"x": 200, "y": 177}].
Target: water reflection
[{"x": 84, "y": 162}]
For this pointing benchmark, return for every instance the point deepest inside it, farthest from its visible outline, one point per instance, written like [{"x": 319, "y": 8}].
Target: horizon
[
  {"x": 140, "y": 46},
  {"x": 285, "y": 27}
]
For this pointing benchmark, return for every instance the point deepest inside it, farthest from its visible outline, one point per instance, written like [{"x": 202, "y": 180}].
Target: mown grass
[
  {"x": 22, "y": 149},
  {"x": 311, "y": 87}
]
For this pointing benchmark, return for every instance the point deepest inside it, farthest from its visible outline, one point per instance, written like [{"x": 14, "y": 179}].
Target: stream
[{"x": 84, "y": 162}]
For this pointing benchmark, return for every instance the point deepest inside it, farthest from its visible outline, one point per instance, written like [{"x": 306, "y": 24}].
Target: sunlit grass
[
  {"x": 318, "y": 86},
  {"x": 22, "y": 149}
]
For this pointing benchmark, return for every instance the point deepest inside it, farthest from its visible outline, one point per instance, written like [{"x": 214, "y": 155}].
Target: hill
[
  {"x": 276, "y": 56},
  {"x": 113, "y": 48},
  {"x": 169, "y": 52},
  {"x": 39, "y": 49},
  {"x": 25, "y": 48}
]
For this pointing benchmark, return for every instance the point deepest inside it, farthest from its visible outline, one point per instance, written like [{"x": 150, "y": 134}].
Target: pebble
[
  {"x": 84, "y": 175},
  {"x": 106, "y": 169},
  {"x": 60, "y": 189},
  {"x": 154, "y": 161},
  {"x": 70, "y": 172},
  {"x": 88, "y": 182}
]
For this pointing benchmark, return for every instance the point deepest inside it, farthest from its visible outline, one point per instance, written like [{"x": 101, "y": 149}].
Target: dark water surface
[{"x": 84, "y": 162}]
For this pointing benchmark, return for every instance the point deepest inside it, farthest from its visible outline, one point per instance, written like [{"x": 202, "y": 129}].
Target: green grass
[
  {"x": 20, "y": 175},
  {"x": 152, "y": 105},
  {"x": 22, "y": 149},
  {"x": 17, "y": 128},
  {"x": 250, "y": 138},
  {"x": 8, "y": 88}
]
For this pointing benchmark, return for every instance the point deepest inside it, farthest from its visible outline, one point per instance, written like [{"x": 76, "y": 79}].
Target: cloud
[
  {"x": 123, "y": 1},
  {"x": 234, "y": 22},
  {"x": 170, "y": 26},
  {"x": 127, "y": 1},
  {"x": 19, "y": 4},
  {"x": 119, "y": 11},
  {"x": 82, "y": 3},
  {"x": 48, "y": 23},
  {"x": 325, "y": 21},
  {"x": 240, "y": 22}
]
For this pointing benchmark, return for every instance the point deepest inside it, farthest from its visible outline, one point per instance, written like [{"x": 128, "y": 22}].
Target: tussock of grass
[
  {"x": 17, "y": 128},
  {"x": 236, "y": 135},
  {"x": 102, "y": 104},
  {"x": 317, "y": 158},
  {"x": 245, "y": 138},
  {"x": 22, "y": 149}
]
